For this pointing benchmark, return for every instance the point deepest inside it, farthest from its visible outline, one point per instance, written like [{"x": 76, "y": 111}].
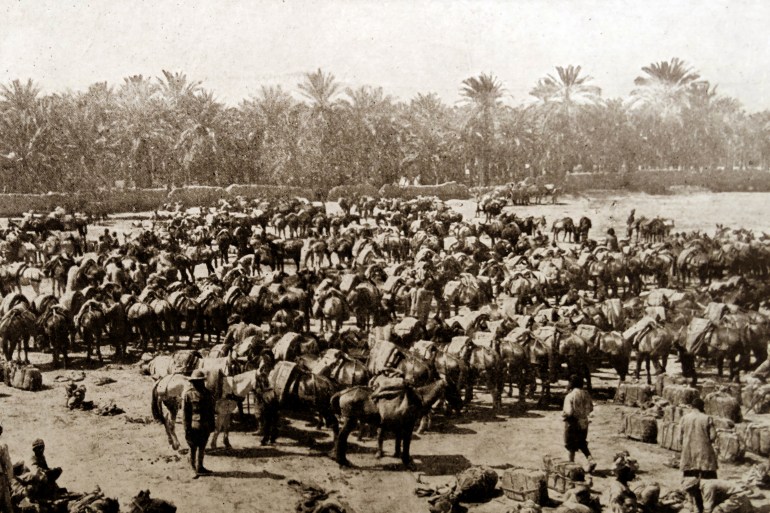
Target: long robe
[{"x": 698, "y": 436}]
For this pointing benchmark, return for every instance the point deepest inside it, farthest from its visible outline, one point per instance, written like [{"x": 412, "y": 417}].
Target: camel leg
[
  {"x": 647, "y": 365},
  {"x": 425, "y": 424},
  {"x": 638, "y": 370},
  {"x": 26, "y": 350},
  {"x": 406, "y": 443},
  {"x": 341, "y": 444},
  {"x": 380, "y": 442},
  {"x": 169, "y": 420}
]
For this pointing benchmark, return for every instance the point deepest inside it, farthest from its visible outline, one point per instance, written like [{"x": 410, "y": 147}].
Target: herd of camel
[{"x": 387, "y": 309}]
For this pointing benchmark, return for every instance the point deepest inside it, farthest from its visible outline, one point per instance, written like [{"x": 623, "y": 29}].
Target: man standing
[
  {"x": 6, "y": 475},
  {"x": 698, "y": 435},
  {"x": 630, "y": 223},
  {"x": 577, "y": 407},
  {"x": 198, "y": 408}
]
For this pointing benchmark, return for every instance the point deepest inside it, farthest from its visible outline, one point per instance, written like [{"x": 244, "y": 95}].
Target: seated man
[{"x": 40, "y": 481}]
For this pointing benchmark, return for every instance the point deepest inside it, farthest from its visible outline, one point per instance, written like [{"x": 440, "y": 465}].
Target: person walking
[
  {"x": 698, "y": 436},
  {"x": 577, "y": 407},
  {"x": 198, "y": 408},
  {"x": 6, "y": 476}
]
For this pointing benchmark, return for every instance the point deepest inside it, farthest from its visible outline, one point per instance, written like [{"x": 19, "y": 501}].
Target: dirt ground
[{"x": 127, "y": 453}]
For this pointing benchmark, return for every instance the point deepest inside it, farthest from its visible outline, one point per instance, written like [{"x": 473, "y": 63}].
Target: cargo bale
[
  {"x": 634, "y": 394},
  {"x": 642, "y": 428},
  {"x": 522, "y": 484},
  {"x": 664, "y": 379},
  {"x": 729, "y": 446},
  {"x": 709, "y": 386},
  {"x": 670, "y": 435},
  {"x": 673, "y": 413},
  {"x": 756, "y": 437},
  {"x": 679, "y": 395},
  {"x": 721, "y": 404}
]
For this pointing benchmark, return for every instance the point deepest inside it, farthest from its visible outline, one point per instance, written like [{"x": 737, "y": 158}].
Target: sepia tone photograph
[{"x": 361, "y": 256}]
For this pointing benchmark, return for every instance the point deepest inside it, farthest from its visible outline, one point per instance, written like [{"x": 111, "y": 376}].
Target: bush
[
  {"x": 197, "y": 195},
  {"x": 445, "y": 191},
  {"x": 659, "y": 181},
  {"x": 269, "y": 192},
  {"x": 352, "y": 191}
]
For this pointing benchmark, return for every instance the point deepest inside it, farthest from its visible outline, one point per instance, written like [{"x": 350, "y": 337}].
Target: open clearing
[{"x": 123, "y": 457}]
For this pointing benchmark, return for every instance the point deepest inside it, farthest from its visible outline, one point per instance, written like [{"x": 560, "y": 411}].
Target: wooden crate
[{"x": 522, "y": 485}]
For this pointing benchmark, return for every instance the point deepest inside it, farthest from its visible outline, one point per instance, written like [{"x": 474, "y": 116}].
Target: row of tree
[{"x": 171, "y": 131}]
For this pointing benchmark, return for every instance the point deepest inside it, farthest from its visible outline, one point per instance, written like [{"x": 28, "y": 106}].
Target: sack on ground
[
  {"x": 522, "y": 484},
  {"x": 732, "y": 389},
  {"x": 634, "y": 394},
  {"x": 664, "y": 379},
  {"x": 562, "y": 475},
  {"x": 756, "y": 397},
  {"x": 721, "y": 404},
  {"x": 729, "y": 446},
  {"x": 756, "y": 437},
  {"x": 476, "y": 484},
  {"x": 639, "y": 427},
  {"x": 679, "y": 395},
  {"x": 23, "y": 377},
  {"x": 670, "y": 435}
]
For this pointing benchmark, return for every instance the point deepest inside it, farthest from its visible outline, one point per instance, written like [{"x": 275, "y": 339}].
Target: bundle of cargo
[
  {"x": 756, "y": 437},
  {"x": 522, "y": 484},
  {"x": 755, "y": 397},
  {"x": 708, "y": 386},
  {"x": 670, "y": 435},
  {"x": 634, "y": 394},
  {"x": 729, "y": 446},
  {"x": 562, "y": 475},
  {"x": 664, "y": 379},
  {"x": 23, "y": 377},
  {"x": 679, "y": 395},
  {"x": 638, "y": 426},
  {"x": 673, "y": 413},
  {"x": 721, "y": 404}
]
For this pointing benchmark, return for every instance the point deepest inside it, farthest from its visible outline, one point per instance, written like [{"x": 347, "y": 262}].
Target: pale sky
[{"x": 404, "y": 46}]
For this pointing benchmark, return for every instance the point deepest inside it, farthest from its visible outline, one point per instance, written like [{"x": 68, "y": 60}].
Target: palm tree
[
  {"x": 430, "y": 138},
  {"x": 197, "y": 143},
  {"x": 26, "y": 139},
  {"x": 567, "y": 90},
  {"x": 271, "y": 122},
  {"x": 665, "y": 87},
  {"x": 323, "y": 159},
  {"x": 321, "y": 89},
  {"x": 482, "y": 94},
  {"x": 145, "y": 133},
  {"x": 562, "y": 98}
]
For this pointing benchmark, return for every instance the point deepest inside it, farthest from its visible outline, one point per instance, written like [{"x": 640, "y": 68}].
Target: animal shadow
[
  {"x": 241, "y": 474},
  {"x": 442, "y": 464}
]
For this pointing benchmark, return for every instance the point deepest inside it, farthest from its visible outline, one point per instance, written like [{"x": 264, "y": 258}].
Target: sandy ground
[{"x": 123, "y": 457}]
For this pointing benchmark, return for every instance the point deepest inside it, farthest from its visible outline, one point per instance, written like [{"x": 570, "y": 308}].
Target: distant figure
[
  {"x": 198, "y": 408},
  {"x": 698, "y": 436},
  {"x": 630, "y": 222},
  {"x": 612, "y": 241},
  {"x": 577, "y": 407}
]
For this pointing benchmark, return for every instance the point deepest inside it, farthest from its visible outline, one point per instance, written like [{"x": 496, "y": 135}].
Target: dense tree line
[{"x": 171, "y": 131}]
